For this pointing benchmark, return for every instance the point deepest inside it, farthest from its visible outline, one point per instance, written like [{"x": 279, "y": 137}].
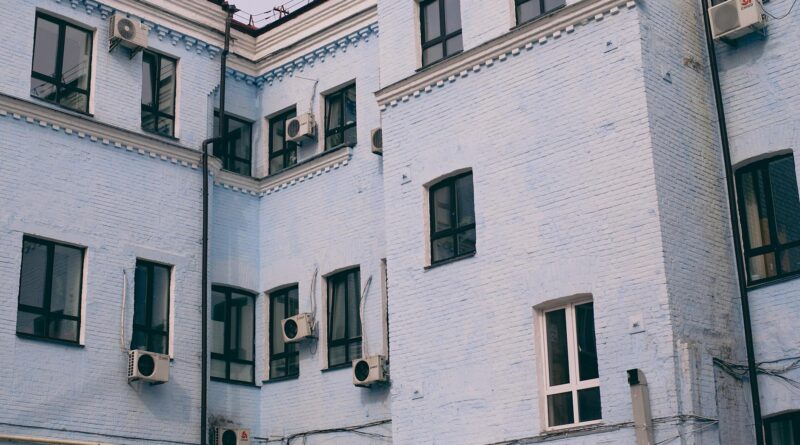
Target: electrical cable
[
  {"x": 122, "y": 311},
  {"x": 781, "y": 17}
]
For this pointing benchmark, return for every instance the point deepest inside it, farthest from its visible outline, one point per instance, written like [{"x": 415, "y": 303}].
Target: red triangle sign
[{"x": 244, "y": 436}]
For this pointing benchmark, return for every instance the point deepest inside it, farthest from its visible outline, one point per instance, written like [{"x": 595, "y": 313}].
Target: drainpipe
[
  {"x": 204, "y": 280},
  {"x": 735, "y": 228}
]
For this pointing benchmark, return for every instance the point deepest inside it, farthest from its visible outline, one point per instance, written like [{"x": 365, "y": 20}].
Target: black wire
[{"x": 781, "y": 17}]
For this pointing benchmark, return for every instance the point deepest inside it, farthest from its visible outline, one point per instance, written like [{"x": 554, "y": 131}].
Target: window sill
[
  {"x": 288, "y": 171},
  {"x": 573, "y": 429},
  {"x": 451, "y": 260},
  {"x": 58, "y": 107},
  {"x": 50, "y": 340},
  {"x": 773, "y": 281},
  {"x": 337, "y": 367},
  {"x": 442, "y": 60},
  {"x": 235, "y": 382},
  {"x": 171, "y": 139},
  {"x": 280, "y": 379}
]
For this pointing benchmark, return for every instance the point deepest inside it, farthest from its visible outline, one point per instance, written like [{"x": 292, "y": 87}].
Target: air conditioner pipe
[
  {"x": 45, "y": 440},
  {"x": 640, "y": 400},
  {"x": 735, "y": 228}
]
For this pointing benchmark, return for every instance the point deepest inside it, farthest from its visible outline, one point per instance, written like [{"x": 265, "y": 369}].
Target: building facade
[{"x": 542, "y": 235}]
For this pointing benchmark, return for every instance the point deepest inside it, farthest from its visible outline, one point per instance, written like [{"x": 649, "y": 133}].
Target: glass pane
[
  {"x": 432, "y": 54},
  {"x": 559, "y": 409},
  {"x": 166, "y": 87},
  {"x": 74, "y": 100},
  {"x": 218, "y": 148},
  {"x": 241, "y": 167},
  {"x": 790, "y": 260},
  {"x": 557, "y": 352},
  {"x": 785, "y": 200},
  {"x": 755, "y": 209},
  {"x": 33, "y": 274},
  {"x": 63, "y": 330},
  {"x": 242, "y": 146},
  {"x": 334, "y": 140},
  {"x": 353, "y": 350},
  {"x": 160, "y": 320},
  {"x": 66, "y": 288},
  {"x": 291, "y": 301},
  {"x": 452, "y": 15},
  {"x": 353, "y": 305},
  {"x": 293, "y": 365},
  {"x": 762, "y": 266},
  {"x": 276, "y": 164},
  {"x": 217, "y": 368},
  {"x": 442, "y": 249},
  {"x": 431, "y": 21},
  {"x": 147, "y": 78},
  {"x": 278, "y": 314},
  {"x": 454, "y": 45},
  {"x": 337, "y": 310},
  {"x": 138, "y": 339},
  {"x": 277, "y": 368},
  {"x": 587, "y": 349},
  {"x": 140, "y": 294},
  {"x": 218, "y": 309},
  {"x": 350, "y": 136},
  {"x": 242, "y": 326},
  {"x": 528, "y": 11},
  {"x": 43, "y": 90},
  {"x": 241, "y": 372},
  {"x": 77, "y": 50},
  {"x": 166, "y": 126},
  {"x": 158, "y": 343},
  {"x": 148, "y": 121},
  {"x": 333, "y": 111},
  {"x": 589, "y": 405},
  {"x": 350, "y": 105},
  {"x": 441, "y": 209},
  {"x": 465, "y": 209},
  {"x": 277, "y": 131},
  {"x": 781, "y": 432},
  {"x": 33, "y": 324},
  {"x": 45, "y": 49},
  {"x": 336, "y": 355},
  {"x": 466, "y": 242},
  {"x": 550, "y": 5}
]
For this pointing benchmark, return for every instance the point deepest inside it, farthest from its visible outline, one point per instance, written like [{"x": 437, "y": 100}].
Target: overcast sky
[{"x": 259, "y": 6}]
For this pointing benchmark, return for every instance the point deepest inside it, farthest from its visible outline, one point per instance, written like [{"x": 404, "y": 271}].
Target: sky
[{"x": 259, "y": 6}]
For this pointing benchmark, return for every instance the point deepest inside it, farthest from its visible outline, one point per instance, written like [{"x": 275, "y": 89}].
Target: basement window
[
  {"x": 572, "y": 385},
  {"x": 528, "y": 10},
  {"x": 62, "y": 59},
  {"x": 770, "y": 212}
]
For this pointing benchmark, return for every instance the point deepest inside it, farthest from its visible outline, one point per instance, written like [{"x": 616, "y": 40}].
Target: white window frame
[{"x": 575, "y": 384}]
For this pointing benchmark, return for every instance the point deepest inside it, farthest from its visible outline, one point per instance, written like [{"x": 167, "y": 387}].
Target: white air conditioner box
[
  {"x": 377, "y": 141},
  {"x": 127, "y": 32},
  {"x": 300, "y": 127},
  {"x": 297, "y": 328},
  {"x": 231, "y": 436},
  {"x": 148, "y": 366},
  {"x": 368, "y": 371},
  {"x": 732, "y": 19}
]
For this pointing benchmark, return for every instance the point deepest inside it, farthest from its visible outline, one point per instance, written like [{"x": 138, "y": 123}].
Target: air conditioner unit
[
  {"x": 297, "y": 328},
  {"x": 148, "y": 366},
  {"x": 127, "y": 32},
  {"x": 300, "y": 127},
  {"x": 732, "y": 19},
  {"x": 377, "y": 141},
  {"x": 231, "y": 436},
  {"x": 368, "y": 371}
]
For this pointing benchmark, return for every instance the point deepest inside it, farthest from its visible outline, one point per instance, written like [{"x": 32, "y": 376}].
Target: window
[
  {"x": 770, "y": 212},
  {"x": 282, "y": 356},
  {"x": 50, "y": 286},
  {"x": 282, "y": 153},
  {"x": 528, "y": 10},
  {"x": 151, "y": 307},
  {"x": 452, "y": 213},
  {"x": 236, "y": 154},
  {"x": 784, "y": 429},
  {"x": 233, "y": 321},
  {"x": 344, "y": 322},
  {"x": 441, "y": 29},
  {"x": 571, "y": 375},
  {"x": 340, "y": 117},
  {"x": 62, "y": 58},
  {"x": 158, "y": 93}
]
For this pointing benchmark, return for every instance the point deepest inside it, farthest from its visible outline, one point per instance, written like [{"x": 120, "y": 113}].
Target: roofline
[{"x": 255, "y": 32}]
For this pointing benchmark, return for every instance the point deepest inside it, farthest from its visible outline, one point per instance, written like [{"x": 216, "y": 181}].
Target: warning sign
[{"x": 244, "y": 437}]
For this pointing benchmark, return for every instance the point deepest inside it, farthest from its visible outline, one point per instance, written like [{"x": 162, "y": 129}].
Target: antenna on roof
[{"x": 281, "y": 10}]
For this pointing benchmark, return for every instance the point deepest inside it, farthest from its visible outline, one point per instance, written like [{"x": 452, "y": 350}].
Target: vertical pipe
[
  {"x": 640, "y": 401},
  {"x": 735, "y": 228}
]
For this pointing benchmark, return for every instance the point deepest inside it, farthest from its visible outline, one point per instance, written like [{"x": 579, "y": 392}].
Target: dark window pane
[
  {"x": 452, "y": 15},
  {"x": 43, "y": 90},
  {"x": 334, "y": 140},
  {"x": 141, "y": 284},
  {"x": 147, "y": 78},
  {"x": 466, "y": 242},
  {"x": 276, "y": 164},
  {"x": 762, "y": 266},
  {"x": 465, "y": 207},
  {"x": 166, "y": 126},
  {"x": 241, "y": 372},
  {"x": 454, "y": 45},
  {"x": 77, "y": 52},
  {"x": 587, "y": 349},
  {"x": 333, "y": 112},
  {"x": 442, "y": 209},
  {"x": 557, "y": 352},
  {"x": 45, "y": 49},
  {"x": 442, "y": 249},
  {"x": 277, "y": 368},
  {"x": 277, "y": 132},
  {"x": 65, "y": 294},
  {"x": 354, "y": 350},
  {"x": 560, "y": 410},
  {"x": 782, "y": 431},
  {"x": 337, "y": 355},
  {"x": 63, "y": 330},
  {"x": 218, "y": 313},
  {"x": 139, "y": 340},
  {"x": 278, "y": 314},
  {"x": 589, "y": 405},
  {"x": 74, "y": 100},
  {"x": 755, "y": 208},
  {"x": 431, "y": 23},
  {"x": 33, "y": 324},
  {"x": 785, "y": 199},
  {"x": 350, "y": 106},
  {"x": 242, "y": 327},
  {"x": 292, "y": 365},
  {"x": 528, "y": 11},
  {"x": 337, "y": 310},
  {"x": 158, "y": 343},
  {"x": 218, "y": 368},
  {"x": 353, "y": 306},
  {"x": 33, "y": 273},
  {"x": 790, "y": 260},
  {"x": 350, "y": 136},
  {"x": 148, "y": 121},
  {"x": 432, "y": 54},
  {"x": 166, "y": 87},
  {"x": 550, "y": 5},
  {"x": 160, "y": 304}
]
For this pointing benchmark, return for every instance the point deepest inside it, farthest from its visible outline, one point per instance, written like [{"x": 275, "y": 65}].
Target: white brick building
[{"x": 549, "y": 215}]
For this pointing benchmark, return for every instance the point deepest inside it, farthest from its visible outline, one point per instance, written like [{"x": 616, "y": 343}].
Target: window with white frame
[{"x": 572, "y": 386}]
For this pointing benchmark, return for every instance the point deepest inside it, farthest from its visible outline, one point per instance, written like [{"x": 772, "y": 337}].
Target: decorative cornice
[{"x": 485, "y": 56}]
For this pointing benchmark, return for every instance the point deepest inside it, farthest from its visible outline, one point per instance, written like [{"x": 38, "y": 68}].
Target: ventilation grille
[
  {"x": 126, "y": 29},
  {"x": 725, "y": 16}
]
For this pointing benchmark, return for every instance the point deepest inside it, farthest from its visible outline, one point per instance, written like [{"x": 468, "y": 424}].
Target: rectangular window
[
  {"x": 151, "y": 307},
  {"x": 344, "y": 322},
  {"x": 528, "y": 10},
  {"x": 158, "y": 93},
  {"x": 769, "y": 208},
  {"x": 441, "y": 29},
  {"x": 282, "y": 152},
  {"x": 283, "y": 357},
  {"x": 50, "y": 287},
  {"x": 572, "y": 384},
  {"x": 233, "y": 321},
  {"x": 62, "y": 59},
  {"x": 783, "y": 429},
  {"x": 236, "y": 154},
  {"x": 340, "y": 117},
  {"x": 452, "y": 213}
]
